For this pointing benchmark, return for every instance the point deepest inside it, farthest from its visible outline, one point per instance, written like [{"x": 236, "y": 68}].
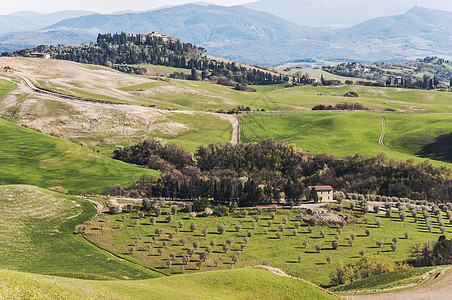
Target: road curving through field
[
  {"x": 30, "y": 88},
  {"x": 383, "y": 132}
]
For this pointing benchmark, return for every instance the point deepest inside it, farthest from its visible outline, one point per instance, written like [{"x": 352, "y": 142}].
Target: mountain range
[
  {"x": 31, "y": 20},
  {"x": 255, "y": 37},
  {"x": 343, "y": 13}
]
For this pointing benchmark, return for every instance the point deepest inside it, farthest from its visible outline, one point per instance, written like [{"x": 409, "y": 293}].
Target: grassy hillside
[
  {"x": 37, "y": 236},
  {"x": 422, "y": 135},
  {"x": 349, "y": 133},
  {"x": 187, "y": 130},
  {"x": 204, "y": 95},
  {"x": 228, "y": 284},
  {"x": 29, "y": 157},
  {"x": 120, "y": 234},
  {"x": 6, "y": 86},
  {"x": 106, "y": 84},
  {"x": 386, "y": 280}
]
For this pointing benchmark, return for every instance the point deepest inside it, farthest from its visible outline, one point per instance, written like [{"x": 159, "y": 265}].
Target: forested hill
[{"x": 125, "y": 51}]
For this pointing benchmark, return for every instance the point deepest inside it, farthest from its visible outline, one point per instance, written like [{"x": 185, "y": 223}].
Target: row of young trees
[
  {"x": 266, "y": 172},
  {"x": 120, "y": 50}
]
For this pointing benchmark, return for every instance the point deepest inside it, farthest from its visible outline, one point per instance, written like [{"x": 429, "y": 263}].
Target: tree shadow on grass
[{"x": 292, "y": 262}]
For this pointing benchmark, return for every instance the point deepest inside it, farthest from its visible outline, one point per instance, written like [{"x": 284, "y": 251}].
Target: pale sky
[{"x": 102, "y": 6}]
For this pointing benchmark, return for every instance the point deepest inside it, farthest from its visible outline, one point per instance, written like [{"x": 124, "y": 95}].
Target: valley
[{"x": 203, "y": 178}]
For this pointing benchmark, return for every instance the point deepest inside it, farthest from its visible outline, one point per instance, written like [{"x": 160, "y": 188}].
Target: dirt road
[
  {"x": 92, "y": 118},
  {"x": 383, "y": 132},
  {"x": 436, "y": 288}
]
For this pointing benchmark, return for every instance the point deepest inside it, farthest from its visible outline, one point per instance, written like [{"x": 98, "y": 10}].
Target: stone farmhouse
[{"x": 325, "y": 193}]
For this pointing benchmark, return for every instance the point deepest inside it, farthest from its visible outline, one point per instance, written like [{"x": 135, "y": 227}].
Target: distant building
[
  {"x": 312, "y": 80},
  {"x": 325, "y": 193},
  {"x": 40, "y": 55},
  {"x": 156, "y": 34}
]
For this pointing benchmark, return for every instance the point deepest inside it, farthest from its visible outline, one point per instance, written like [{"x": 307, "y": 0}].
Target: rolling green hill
[
  {"x": 227, "y": 284},
  {"x": 37, "y": 236},
  {"x": 349, "y": 133},
  {"x": 29, "y": 157}
]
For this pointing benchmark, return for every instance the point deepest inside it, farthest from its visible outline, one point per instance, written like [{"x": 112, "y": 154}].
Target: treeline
[
  {"x": 268, "y": 172},
  {"x": 120, "y": 50},
  {"x": 341, "y": 106},
  {"x": 433, "y": 254}
]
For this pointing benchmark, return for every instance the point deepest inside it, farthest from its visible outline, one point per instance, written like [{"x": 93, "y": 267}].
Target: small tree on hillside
[
  {"x": 378, "y": 222},
  {"x": 313, "y": 196},
  {"x": 221, "y": 229},
  {"x": 318, "y": 247},
  {"x": 380, "y": 243},
  {"x": 335, "y": 244}
]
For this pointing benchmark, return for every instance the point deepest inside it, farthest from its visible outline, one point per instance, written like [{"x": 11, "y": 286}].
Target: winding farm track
[
  {"x": 281, "y": 273},
  {"x": 32, "y": 89},
  {"x": 438, "y": 287},
  {"x": 383, "y": 132}
]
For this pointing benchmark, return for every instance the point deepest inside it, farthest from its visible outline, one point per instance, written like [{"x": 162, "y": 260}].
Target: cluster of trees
[
  {"x": 268, "y": 171},
  {"x": 408, "y": 75},
  {"x": 369, "y": 265},
  {"x": 341, "y": 106},
  {"x": 238, "y": 109},
  {"x": 299, "y": 79},
  {"x": 120, "y": 49},
  {"x": 433, "y": 254}
]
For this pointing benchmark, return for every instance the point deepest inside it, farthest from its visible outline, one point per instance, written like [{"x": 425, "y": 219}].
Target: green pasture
[
  {"x": 350, "y": 133},
  {"x": 30, "y": 157},
  {"x": 37, "y": 236},
  {"x": 197, "y": 95},
  {"x": 6, "y": 86},
  {"x": 226, "y": 284}
]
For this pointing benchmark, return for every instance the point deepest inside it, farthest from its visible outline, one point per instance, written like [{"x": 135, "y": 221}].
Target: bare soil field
[{"x": 93, "y": 123}]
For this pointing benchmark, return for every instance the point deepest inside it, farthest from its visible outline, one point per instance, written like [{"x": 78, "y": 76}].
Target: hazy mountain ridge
[
  {"x": 255, "y": 37},
  {"x": 340, "y": 14},
  {"x": 419, "y": 30},
  {"x": 31, "y": 20},
  {"x": 194, "y": 23}
]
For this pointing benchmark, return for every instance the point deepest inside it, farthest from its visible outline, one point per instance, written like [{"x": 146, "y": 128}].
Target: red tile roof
[{"x": 321, "y": 188}]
